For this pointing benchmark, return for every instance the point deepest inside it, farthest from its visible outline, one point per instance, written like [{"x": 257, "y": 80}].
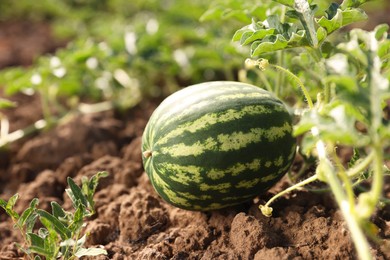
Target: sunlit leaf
[
  {"x": 27, "y": 213},
  {"x": 5, "y": 103},
  {"x": 289, "y": 3},
  {"x": 77, "y": 192},
  {"x": 36, "y": 240},
  {"x": 278, "y": 42},
  {"x": 341, "y": 18},
  {"x": 305, "y": 13},
  {"x": 62, "y": 230},
  {"x": 353, "y": 3}
]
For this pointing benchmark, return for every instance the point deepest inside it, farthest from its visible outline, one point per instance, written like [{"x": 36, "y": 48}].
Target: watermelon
[{"x": 217, "y": 144}]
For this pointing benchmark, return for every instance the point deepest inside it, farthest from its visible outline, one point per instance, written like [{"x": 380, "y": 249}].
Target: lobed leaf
[{"x": 339, "y": 18}]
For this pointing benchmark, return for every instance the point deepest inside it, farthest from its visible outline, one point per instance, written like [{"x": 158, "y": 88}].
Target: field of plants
[{"x": 280, "y": 150}]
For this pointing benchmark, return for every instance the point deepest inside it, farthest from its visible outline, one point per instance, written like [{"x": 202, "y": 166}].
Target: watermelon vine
[{"x": 353, "y": 75}]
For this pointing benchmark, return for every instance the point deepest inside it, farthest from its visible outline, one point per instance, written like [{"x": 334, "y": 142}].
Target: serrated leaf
[
  {"x": 77, "y": 192},
  {"x": 341, "y": 18},
  {"x": 249, "y": 37},
  {"x": 353, "y": 15},
  {"x": 279, "y": 42},
  {"x": 61, "y": 229},
  {"x": 331, "y": 25},
  {"x": 90, "y": 252}
]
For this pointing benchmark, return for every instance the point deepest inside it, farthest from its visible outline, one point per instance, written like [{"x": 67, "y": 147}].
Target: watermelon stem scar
[{"x": 147, "y": 154}]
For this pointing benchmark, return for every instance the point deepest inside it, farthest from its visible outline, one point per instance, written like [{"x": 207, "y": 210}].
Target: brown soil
[{"x": 132, "y": 222}]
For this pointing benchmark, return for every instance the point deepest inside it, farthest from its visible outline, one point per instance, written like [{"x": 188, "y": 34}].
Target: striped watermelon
[{"x": 217, "y": 144}]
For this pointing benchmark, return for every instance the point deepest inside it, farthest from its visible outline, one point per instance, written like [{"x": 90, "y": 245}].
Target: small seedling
[{"x": 61, "y": 234}]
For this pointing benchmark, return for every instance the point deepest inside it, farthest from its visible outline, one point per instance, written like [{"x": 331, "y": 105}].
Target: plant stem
[
  {"x": 346, "y": 182},
  {"x": 358, "y": 237}
]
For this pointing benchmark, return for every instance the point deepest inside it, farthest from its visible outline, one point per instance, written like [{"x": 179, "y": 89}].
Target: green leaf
[
  {"x": 353, "y": 3},
  {"x": 249, "y": 37},
  {"x": 26, "y": 215},
  {"x": 306, "y": 16},
  {"x": 381, "y": 31},
  {"x": 289, "y": 3},
  {"x": 5, "y": 103},
  {"x": 42, "y": 251},
  {"x": 90, "y": 252},
  {"x": 77, "y": 193},
  {"x": 8, "y": 206},
  {"x": 89, "y": 187},
  {"x": 12, "y": 201},
  {"x": 36, "y": 240},
  {"x": 51, "y": 238},
  {"x": 30, "y": 222},
  {"x": 78, "y": 218},
  {"x": 61, "y": 229},
  {"x": 353, "y": 15},
  {"x": 57, "y": 210},
  {"x": 336, "y": 123},
  {"x": 3, "y": 204},
  {"x": 279, "y": 42},
  {"x": 40, "y": 245}
]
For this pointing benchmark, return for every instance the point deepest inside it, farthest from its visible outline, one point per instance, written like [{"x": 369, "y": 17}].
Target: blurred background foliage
[{"x": 123, "y": 51}]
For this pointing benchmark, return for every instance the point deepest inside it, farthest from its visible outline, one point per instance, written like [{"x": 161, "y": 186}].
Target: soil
[{"x": 133, "y": 222}]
